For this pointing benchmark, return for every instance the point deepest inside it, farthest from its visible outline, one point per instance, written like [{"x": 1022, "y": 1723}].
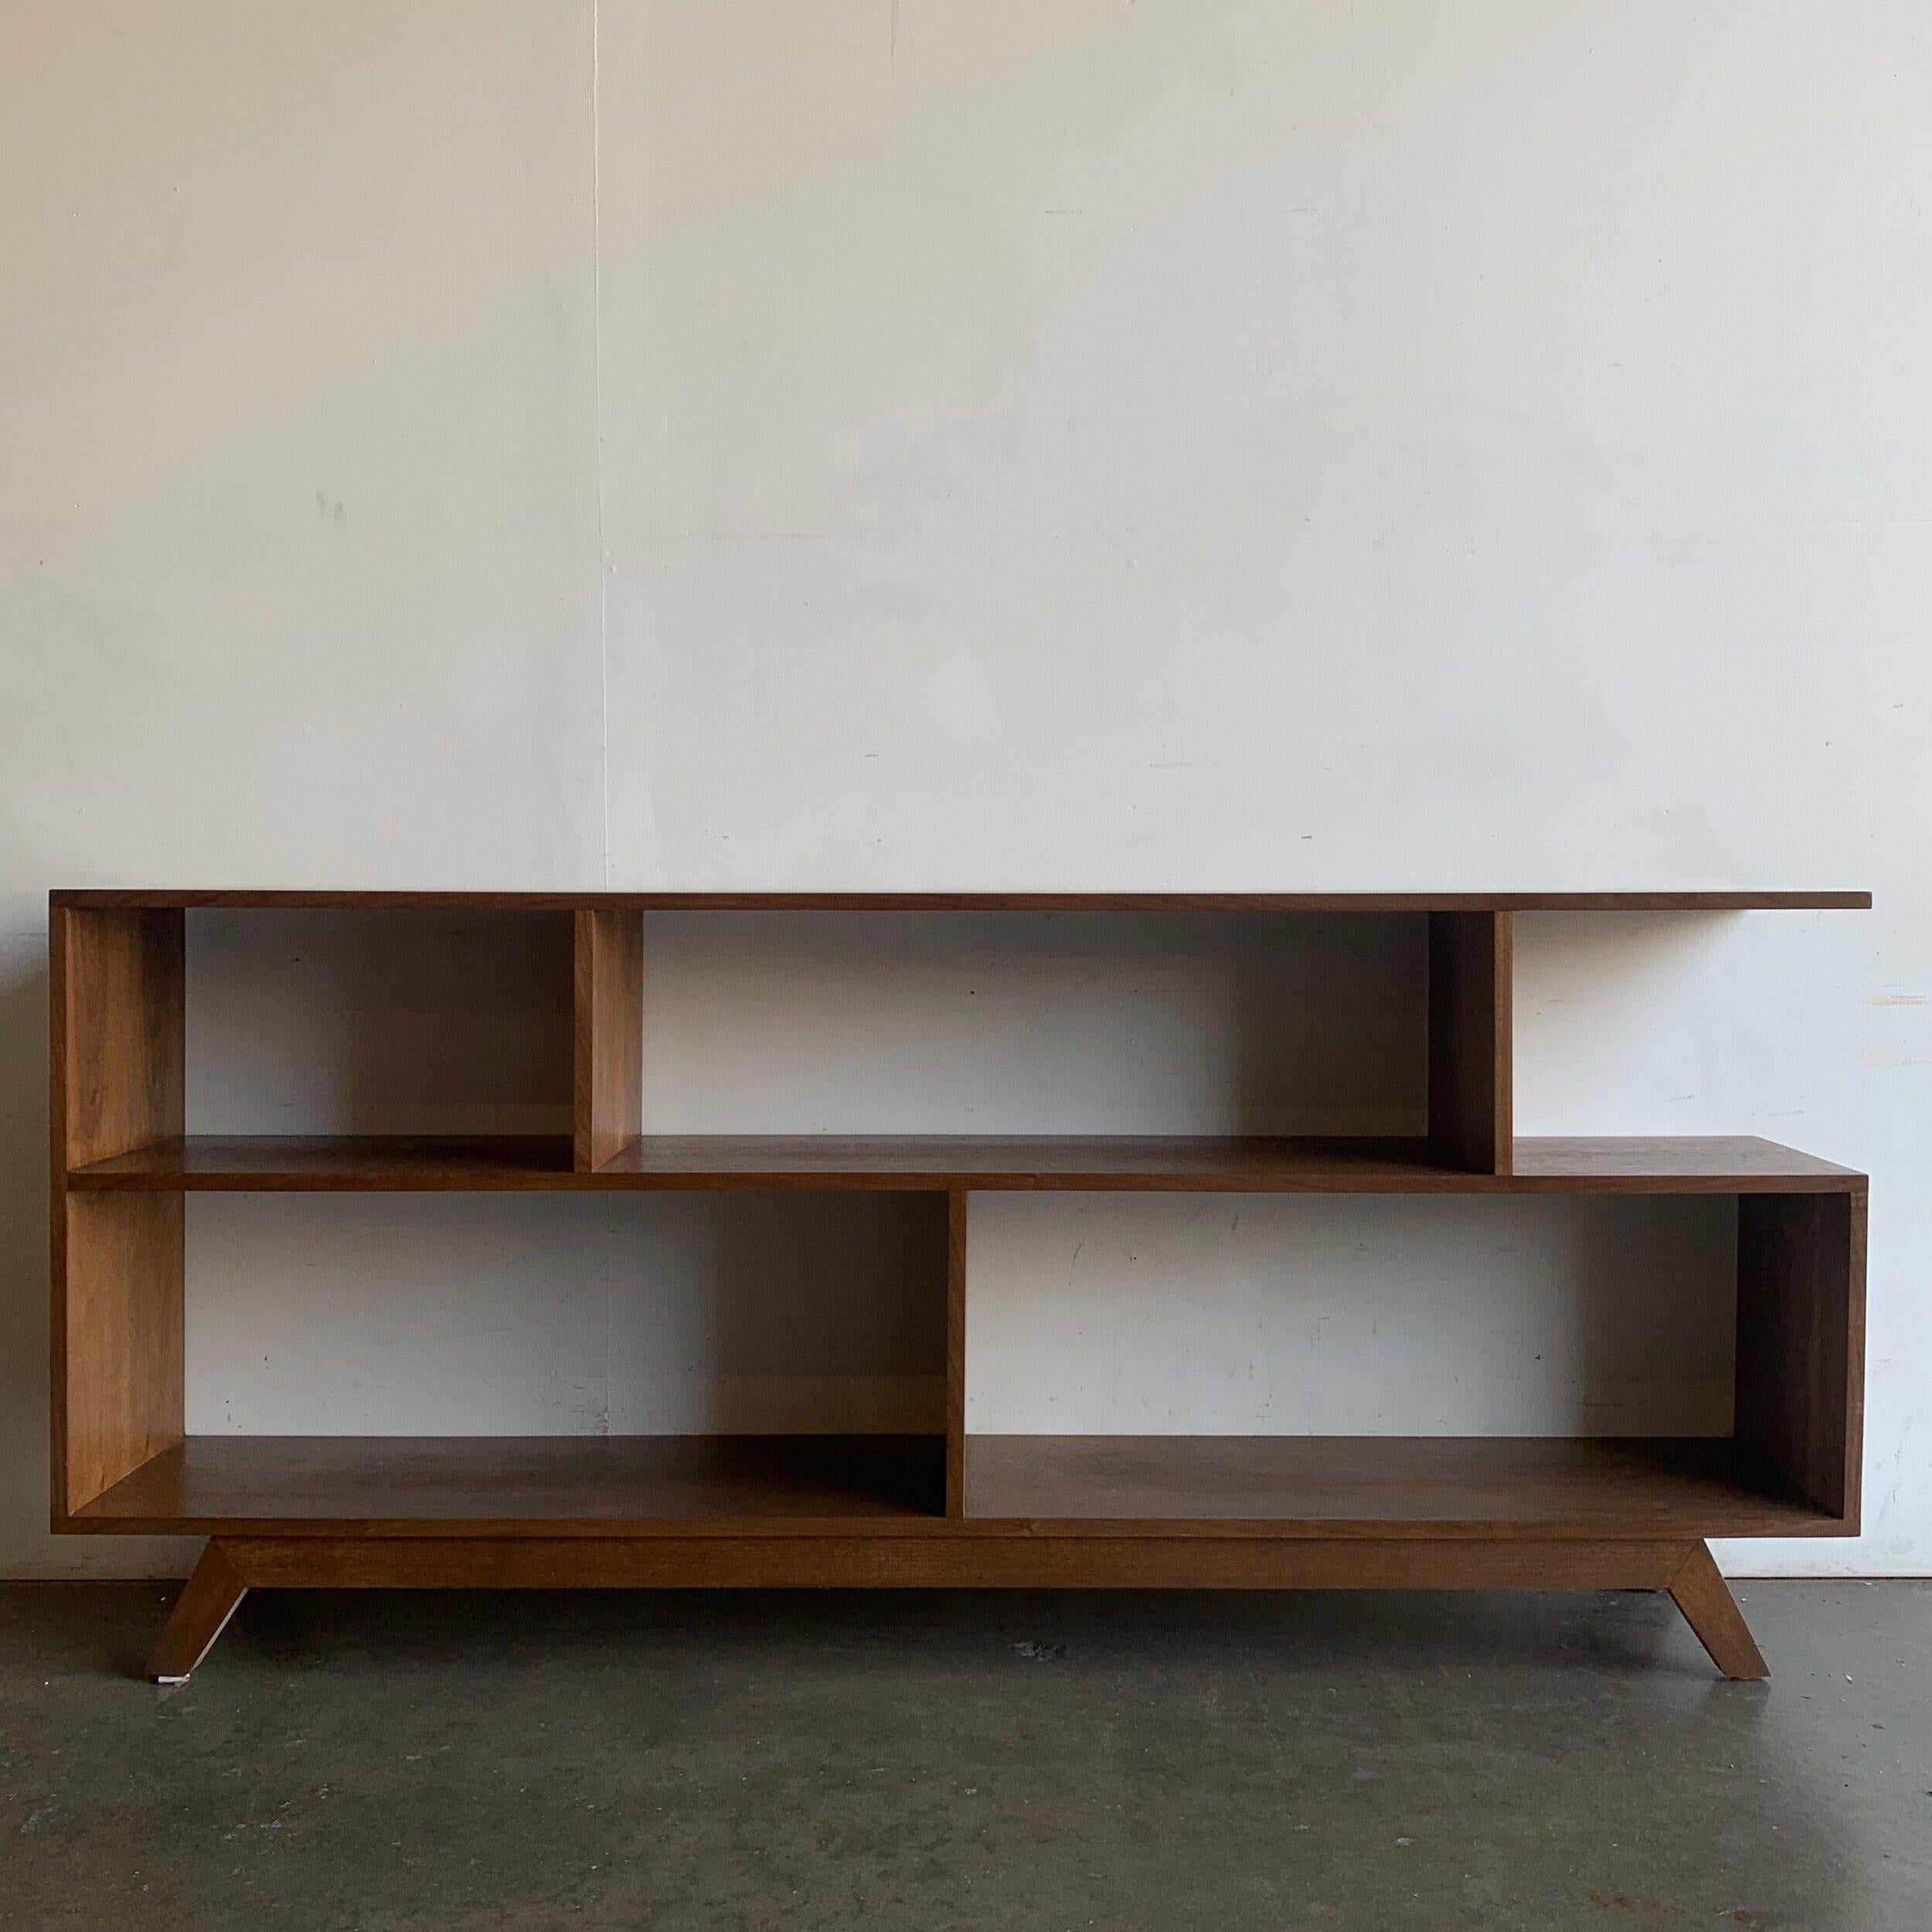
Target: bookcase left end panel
[
  {"x": 119, "y": 1374},
  {"x": 117, "y": 999},
  {"x": 117, "y": 996}
]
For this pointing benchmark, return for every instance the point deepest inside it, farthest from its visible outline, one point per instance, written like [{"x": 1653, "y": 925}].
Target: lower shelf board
[
  {"x": 511, "y": 1485},
  {"x": 1316, "y": 1487},
  {"x": 1383, "y": 1485}
]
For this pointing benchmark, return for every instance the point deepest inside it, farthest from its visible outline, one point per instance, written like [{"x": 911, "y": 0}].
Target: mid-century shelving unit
[{"x": 953, "y": 1508}]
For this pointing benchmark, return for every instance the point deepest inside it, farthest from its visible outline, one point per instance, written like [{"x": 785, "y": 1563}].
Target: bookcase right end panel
[{"x": 1801, "y": 1344}]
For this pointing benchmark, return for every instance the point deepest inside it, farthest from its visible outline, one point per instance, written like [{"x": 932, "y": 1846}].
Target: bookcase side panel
[
  {"x": 117, "y": 1001},
  {"x": 119, "y": 994},
  {"x": 1801, "y": 1342},
  {"x": 118, "y": 1395}
]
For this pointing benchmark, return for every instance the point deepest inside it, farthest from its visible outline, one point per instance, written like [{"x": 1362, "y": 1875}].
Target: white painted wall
[{"x": 1193, "y": 443}]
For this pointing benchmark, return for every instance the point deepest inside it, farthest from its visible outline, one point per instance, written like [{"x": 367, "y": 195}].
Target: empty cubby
[{"x": 393, "y": 1021}]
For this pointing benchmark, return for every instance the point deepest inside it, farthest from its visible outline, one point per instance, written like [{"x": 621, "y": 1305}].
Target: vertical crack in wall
[{"x": 597, "y": 426}]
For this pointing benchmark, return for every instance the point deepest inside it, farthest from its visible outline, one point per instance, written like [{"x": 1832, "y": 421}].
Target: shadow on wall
[
  {"x": 404, "y": 1021},
  {"x": 1349, "y": 1314},
  {"x": 23, "y": 1240},
  {"x": 379, "y": 1022},
  {"x": 1617, "y": 1031},
  {"x": 1034, "y": 1023},
  {"x": 565, "y": 1314}
]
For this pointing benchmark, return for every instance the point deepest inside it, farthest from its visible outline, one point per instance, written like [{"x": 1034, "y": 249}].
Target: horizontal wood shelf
[
  {"x": 1721, "y": 1165},
  {"x": 1383, "y": 1485},
  {"x": 982, "y": 902},
  {"x": 326, "y": 1163},
  {"x": 507, "y": 1486},
  {"x": 1336, "y": 1486}
]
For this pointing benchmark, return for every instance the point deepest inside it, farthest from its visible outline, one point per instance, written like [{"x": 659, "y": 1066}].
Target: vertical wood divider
[
  {"x": 1471, "y": 1080},
  {"x": 956, "y": 1201},
  {"x": 607, "y": 1087},
  {"x": 119, "y": 1362},
  {"x": 117, "y": 1066},
  {"x": 118, "y": 1004},
  {"x": 1800, "y": 1343}
]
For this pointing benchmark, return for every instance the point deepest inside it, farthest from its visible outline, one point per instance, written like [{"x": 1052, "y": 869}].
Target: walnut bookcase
[{"x": 946, "y": 1508}]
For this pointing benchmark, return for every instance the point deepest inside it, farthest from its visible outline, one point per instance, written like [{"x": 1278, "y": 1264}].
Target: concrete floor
[{"x": 913, "y": 1762}]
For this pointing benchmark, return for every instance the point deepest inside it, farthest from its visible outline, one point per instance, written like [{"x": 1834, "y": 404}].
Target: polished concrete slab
[{"x": 359, "y": 1763}]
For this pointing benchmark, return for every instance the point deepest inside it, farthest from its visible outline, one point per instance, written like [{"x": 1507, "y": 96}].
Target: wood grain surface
[{"x": 1194, "y": 1163}]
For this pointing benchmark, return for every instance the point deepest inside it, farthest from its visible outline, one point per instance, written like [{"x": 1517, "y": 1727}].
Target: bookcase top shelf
[
  {"x": 979, "y": 902},
  {"x": 1739, "y": 1163}
]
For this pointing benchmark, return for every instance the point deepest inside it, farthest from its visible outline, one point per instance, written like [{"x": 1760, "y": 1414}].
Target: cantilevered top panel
[
  {"x": 1132, "y": 1163},
  {"x": 983, "y": 902}
]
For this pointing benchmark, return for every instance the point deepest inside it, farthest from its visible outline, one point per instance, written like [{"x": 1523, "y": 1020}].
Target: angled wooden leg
[
  {"x": 1701, "y": 1592},
  {"x": 201, "y": 1612}
]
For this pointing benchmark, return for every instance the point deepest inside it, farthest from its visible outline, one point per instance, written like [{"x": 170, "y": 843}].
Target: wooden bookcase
[{"x": 946, "y": 1508}]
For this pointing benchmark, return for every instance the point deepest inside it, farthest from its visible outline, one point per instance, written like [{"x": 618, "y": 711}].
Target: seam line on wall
[{"x": 597, "y": 404}]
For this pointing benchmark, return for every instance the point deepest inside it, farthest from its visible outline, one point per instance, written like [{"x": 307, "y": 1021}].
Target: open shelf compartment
[
  {"x": 561, "y": 1054},
  {"x": 795, "y": 1344},
  {"x": 1790, "y": 1466},
  {"x": 399, "y": 1027},
  {"x": 1384, "y": 1485},
  {"x": 608, "y": 1486}
]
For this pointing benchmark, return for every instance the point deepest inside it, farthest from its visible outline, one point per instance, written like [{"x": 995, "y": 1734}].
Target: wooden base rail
[{"x": 230, "y": 1566}]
